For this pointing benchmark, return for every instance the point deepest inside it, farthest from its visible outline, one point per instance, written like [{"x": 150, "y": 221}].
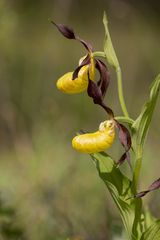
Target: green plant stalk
[
  {"x": 119, "y": 82},
  {"x": 120, "y": 92},
  {"x": 99, "y": 54},
  {"x": 112, "y": 59},
  {"x": 139, "y": 129},
  {"x": 137, "y": 168},
  {"x": 128, "y": 120}
]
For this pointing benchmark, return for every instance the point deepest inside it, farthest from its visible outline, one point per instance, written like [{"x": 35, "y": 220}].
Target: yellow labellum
[
  {"x": 80, "y": 84},
  {"x": 67, "y": 85},
  {"x": 97, "y": 141},
  {"x": 92, "y": 68}
]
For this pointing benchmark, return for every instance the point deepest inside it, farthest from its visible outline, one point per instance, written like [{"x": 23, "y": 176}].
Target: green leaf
[
  {"x": 141, "y": 126},
  {"x": 108, "y": 47},
  {"x": 153, "y": 232},
  {"x": 149, "y": 219},
  {"x": 119, "y": 187},
  {"x": 142, "y": 123}
]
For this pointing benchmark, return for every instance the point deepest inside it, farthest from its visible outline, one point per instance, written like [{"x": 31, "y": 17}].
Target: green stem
[
  {"x": 128, "y": 120},
  {"x": 113, "y": 61},
  {"x": 137, "y": 168},
  {"x": 119, "y": 81},
  {"x": 99, "y": 54},
  {"x": 120, "y": 92}
]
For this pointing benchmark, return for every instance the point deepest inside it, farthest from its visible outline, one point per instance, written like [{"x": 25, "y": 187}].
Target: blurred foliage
[
  {"x": 9, "y": 229},
  {"x": 45, "y": 184}
]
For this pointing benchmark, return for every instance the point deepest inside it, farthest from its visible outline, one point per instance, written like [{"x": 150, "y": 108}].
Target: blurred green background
[{"x": 47, "y": 190}]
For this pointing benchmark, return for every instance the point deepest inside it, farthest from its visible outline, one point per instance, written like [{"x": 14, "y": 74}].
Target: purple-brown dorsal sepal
[
  {"x": 68, "y": 32},
  {"x": 65, "y": 30},
  {"x": 87, "y": 45},
  {"x": 103, "y": 83},
  {"x": 86, "y": 61}
]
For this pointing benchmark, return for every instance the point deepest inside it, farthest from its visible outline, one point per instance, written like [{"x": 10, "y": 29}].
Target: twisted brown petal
[
  {"x": 154, "y": 186},
  {"x": 84, "y": 62},
  {"x": 125, "y": 139},
  {"x": 94, "y": 92},
  {"x": 103, "y": 83},
  {"x": 69, "y": 33}
]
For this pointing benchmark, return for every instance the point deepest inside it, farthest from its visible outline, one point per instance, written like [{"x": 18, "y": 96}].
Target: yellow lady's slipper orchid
[
  {"x": 67, "y": 85},
  {"x": 97, "y": 141}
]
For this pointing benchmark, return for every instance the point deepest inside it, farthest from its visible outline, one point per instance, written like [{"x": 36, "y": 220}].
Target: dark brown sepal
[
  {"x": 154, "y": 186},
  {"x": 86, "y": 61},
  {"x": 81, "y": 131},
  {"x": 141, "y": 194},
  {"x": 125, "y": 139},
  {"x": 94, "y": 92},
  {"x": 69, "y": 33},
  {"x": 121, "y": 160},
  {"x": 65, "y": 30},
  {"x": 124, "y": 136},
  {"x": 108, "y": 110},
  {"x": 88, "y": 46},
  {"x": 103, "y": 83}
]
